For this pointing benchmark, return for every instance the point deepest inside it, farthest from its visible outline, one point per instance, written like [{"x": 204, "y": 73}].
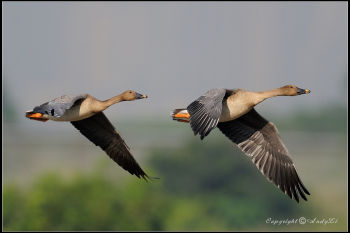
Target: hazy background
[{"x": 174, "y": 52}]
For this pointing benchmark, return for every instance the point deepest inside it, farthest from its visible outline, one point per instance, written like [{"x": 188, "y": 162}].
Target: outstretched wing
[
  {"x": 260, "y": 140},
  {"x": 101, "y": 132},
  {"x": 58, "y": 106},
  {"x": 206, "y": 111}
]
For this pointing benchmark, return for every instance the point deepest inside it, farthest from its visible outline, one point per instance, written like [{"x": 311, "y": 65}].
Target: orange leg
[
  {"x": 35, "y": 116},
  {"x": 182, "y": 115}
]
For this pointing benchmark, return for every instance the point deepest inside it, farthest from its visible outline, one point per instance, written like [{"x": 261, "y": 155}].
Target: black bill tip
[
  {"x": 302, "y": 91},
  {"x": 141, "y": 96}
]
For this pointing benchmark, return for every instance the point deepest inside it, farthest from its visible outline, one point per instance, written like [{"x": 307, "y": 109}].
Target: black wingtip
[
  {"x": 306, "y": 191},
  {"x": 142, "y": 176},
  {"x": 147, "y": 178}
]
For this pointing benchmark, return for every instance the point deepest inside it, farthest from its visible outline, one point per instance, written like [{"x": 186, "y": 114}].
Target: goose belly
[
  {"x": 76, "y": 113},
  {"x": 234, "y": 109}
]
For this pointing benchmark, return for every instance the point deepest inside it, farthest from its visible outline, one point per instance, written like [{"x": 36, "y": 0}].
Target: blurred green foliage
[
  {"x": 202, "y": 187},
  {"x": 328, "y": 119}
]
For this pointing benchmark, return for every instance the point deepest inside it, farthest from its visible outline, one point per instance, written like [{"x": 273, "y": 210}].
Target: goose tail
[{"x": 180, "y": 115}]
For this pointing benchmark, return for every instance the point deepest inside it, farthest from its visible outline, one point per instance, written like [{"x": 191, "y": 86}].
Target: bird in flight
[
  {"x": 85, "y": 113},
  {"x": 232, "y": 111}
]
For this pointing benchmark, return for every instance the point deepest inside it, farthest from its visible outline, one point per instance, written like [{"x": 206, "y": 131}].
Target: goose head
[
  {"x": 130, "y": 95},
  {"x": 292, "y": 90}
]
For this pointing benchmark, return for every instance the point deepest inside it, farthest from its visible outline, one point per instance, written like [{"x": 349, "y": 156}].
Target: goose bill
[{"x": 140, "y": 96}]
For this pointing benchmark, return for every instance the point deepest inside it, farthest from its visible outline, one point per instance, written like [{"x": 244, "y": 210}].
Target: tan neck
[
  {"x": 105, "y": 104},
  {"x": 263, "y": 95}
]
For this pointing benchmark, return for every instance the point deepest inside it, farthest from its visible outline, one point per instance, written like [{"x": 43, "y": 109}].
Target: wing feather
[
  {"x": 58, "y": 106},
  {"x": 260, "y": 140},
  {"x": 206, "y": 111},
  {"x": 102, "y": 133}
]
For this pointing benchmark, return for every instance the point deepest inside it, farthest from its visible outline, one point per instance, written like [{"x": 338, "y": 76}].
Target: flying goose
[
  {"x": 85, "y": 113},
  {"x": 232, "y": 111}
]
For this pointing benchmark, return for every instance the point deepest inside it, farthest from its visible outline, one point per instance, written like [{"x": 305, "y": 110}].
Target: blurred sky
[{"x": 173, "y": 51}]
